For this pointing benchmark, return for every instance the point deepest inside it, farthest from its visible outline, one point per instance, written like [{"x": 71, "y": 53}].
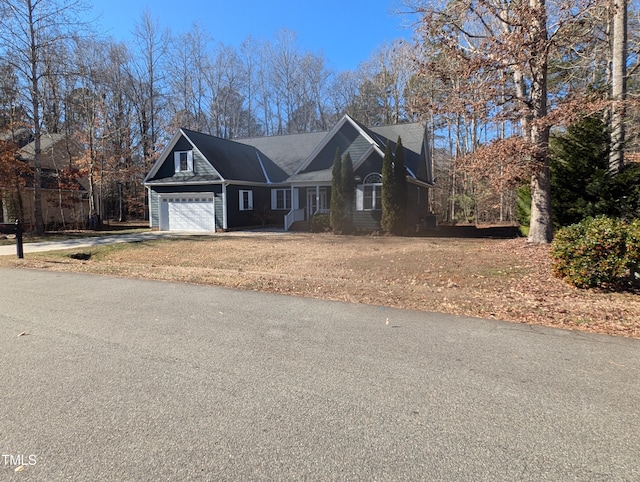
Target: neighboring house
[
  {"x": 65, "y": 200},
  {"x": 204, "y": 183}
]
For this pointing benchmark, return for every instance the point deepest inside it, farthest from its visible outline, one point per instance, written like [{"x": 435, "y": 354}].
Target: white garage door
[{"x": 187, "y": 212}]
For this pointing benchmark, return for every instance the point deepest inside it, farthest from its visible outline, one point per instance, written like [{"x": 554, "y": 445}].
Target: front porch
[{"x": 307, "y": 202}]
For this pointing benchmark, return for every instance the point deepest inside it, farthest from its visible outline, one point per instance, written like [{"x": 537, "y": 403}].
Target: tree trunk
[
  {"x": 35, "y": 105},
  {"x": 618, "y": 84},
  {"x": 540, "y": 227}
]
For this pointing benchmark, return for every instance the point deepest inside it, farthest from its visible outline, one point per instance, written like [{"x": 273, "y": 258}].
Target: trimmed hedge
[{"x": 597, "y": 252}]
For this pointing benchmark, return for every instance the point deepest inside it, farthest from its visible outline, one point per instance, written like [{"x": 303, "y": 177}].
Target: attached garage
[{"x": 187, "y": 212}]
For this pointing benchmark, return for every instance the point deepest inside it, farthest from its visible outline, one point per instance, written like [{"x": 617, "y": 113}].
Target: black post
[{"x": 19, "y": 239}]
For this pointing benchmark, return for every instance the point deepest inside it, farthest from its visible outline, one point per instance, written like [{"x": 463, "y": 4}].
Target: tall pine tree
[
  {"x": 348, "y": 193},
  {"x": 337, "y": 201},
  {"x": 388, "y": 191},
  {"x": 579, "y": 171}
]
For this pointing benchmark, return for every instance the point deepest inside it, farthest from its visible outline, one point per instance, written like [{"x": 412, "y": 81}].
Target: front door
[{"x": 316, "y": 201}]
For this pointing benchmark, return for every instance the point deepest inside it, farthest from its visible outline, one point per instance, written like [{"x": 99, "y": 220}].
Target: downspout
[
  {"x": 150, "y": 210},
  {"x": 224, "y": 207}
]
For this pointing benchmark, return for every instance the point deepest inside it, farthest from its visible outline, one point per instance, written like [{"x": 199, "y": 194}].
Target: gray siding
[
  {"x": 367, "y": 220},
  {"x": 153, "y": 202},
  {"x": 219, "y": 207}
]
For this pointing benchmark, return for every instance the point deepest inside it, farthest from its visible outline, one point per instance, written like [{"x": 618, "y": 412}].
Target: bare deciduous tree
[
  {"x": 29, "y": 31},
  {"x": 618, "y": 83},
  {"x": 488, "y": 40}
]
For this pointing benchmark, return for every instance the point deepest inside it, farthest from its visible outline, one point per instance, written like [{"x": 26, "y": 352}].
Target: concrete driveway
[
  {"x": 7, "y": 250},
  {"x": 117, "y": 379}
]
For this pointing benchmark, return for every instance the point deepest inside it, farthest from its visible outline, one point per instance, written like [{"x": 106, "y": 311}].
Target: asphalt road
[{"x": 120, "y": 379}]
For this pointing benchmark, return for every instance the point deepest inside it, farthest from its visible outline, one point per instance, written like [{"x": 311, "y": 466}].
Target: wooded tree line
[
  {"x": 494, "y": 79},
  {"x": 502, "y": 77},
  {"x": 122, "y": 101}
]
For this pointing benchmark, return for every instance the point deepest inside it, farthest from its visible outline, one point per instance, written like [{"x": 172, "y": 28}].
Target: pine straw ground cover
[{"x": 501, "y": 279}]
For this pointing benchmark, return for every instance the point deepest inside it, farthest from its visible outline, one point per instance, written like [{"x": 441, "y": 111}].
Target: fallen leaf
[
  {"x": 19, "y": 468},
  {"x": 24, "y": 333}
]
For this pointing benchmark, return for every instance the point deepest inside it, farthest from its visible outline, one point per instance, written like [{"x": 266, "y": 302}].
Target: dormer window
[{"x": 183, "y": 161}]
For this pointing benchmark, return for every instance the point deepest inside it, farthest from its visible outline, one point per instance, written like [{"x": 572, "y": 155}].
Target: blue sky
[{"x": 345, "y": 31}]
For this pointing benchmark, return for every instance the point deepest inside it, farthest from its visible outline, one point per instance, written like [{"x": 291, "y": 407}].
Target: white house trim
[
  {"x": 165, "y": 153},
  {"x": 264, "y": 171},
  {"x": 151, "y": 209},
  {"x": 184, "y": 183},
  {"x": 364, "y": 157},
  {"x": 418, "y": 182},
  {"x": 224, "y": 207}
]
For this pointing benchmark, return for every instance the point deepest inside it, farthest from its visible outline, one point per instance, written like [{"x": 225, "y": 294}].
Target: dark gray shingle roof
[
  {"x": 291, "y": 150},
  {"x": 236, "y": 161},
  {"x": 276, "y": 159},
  {"x": 287, "y": 151}
]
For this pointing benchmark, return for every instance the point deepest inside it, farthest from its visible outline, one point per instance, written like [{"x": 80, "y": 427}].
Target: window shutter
[
  {"x": 190, "y": 161},
  {"x": 287, "y": 199},
  {"x": 176, "y": 161},
  {"x": 274, "y": 199},
  {"x": 360, "y": 197}
]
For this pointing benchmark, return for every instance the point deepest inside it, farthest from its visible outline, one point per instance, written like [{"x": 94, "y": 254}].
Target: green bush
[
  {"x": 320, "y": 223},
  {"x": 597, "y": 252},
  {"x": 633, "y": 251},
  {"x": 523, "y": 208}
]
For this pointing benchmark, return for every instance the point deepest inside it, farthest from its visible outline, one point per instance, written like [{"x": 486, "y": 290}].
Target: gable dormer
[
  {"x": 183, "y": 161},
  {"x": 346, "y": 136}
]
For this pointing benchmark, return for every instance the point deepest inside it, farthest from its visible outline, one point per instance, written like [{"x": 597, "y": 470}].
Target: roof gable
[
  {"x": 57, "y": 151},
  {"x": 416, "y": 147},
  {"x": 223, "y": 159},
  {"x": 347, "y": 136}
]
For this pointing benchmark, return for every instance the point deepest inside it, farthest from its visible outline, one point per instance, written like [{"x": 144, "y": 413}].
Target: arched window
[
  {"x": 373, "y": 178},
  {"x": 369, "y": 194}
]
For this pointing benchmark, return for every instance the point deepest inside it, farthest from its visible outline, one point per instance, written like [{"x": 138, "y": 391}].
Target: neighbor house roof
[
  {"x": 21, "y": 136},
  {"x": 56, "y": 151}
]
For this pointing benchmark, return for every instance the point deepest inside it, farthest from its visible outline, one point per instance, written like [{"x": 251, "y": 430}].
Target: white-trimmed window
[
  {"x": 183, "y": 161},
  {"x": 281, "y": 199},
  {"x": 246, "y": 200},
  {"x": 369, "y": 193}
]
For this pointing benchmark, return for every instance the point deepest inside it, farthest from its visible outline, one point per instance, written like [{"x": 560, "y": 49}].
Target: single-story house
[{"x": 205, "y": 183}]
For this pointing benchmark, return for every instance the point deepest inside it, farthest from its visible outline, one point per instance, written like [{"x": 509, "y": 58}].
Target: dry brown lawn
[{"x": 502, "y": 279}]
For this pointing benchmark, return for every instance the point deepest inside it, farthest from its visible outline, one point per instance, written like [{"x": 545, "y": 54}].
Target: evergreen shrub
[
  {"x": 320, "y": 223},
  {"x": 597, "y": 252}
]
